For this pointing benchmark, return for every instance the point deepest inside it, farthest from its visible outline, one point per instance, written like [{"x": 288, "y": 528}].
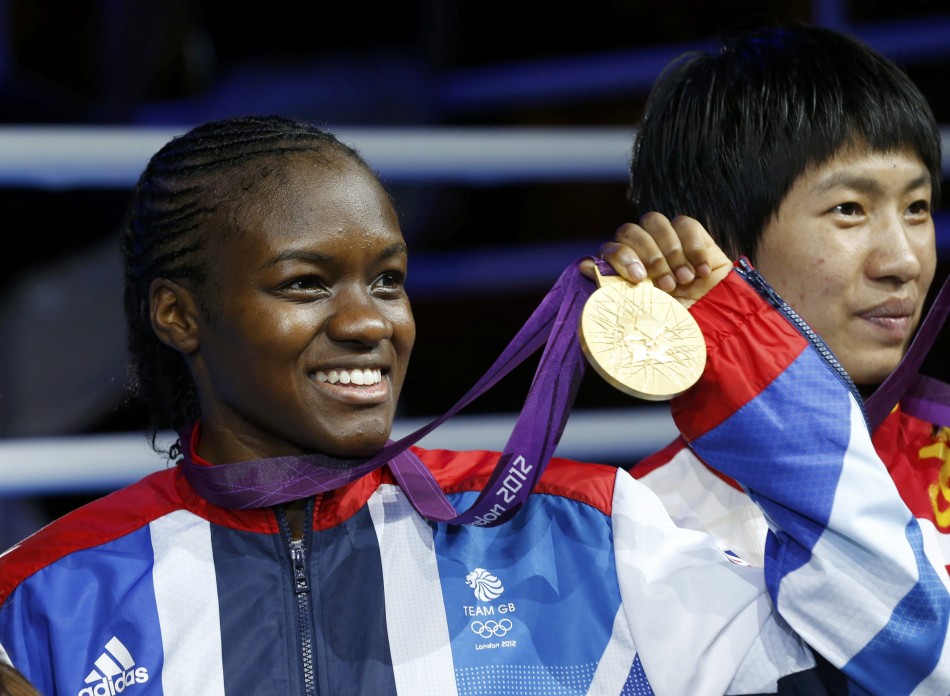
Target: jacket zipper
[
  {"x": 760, "y": 285},
  {"x": 302, "y": 593}
]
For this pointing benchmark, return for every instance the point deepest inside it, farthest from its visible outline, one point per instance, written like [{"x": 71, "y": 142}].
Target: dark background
[{"x": 178, "y": 63}]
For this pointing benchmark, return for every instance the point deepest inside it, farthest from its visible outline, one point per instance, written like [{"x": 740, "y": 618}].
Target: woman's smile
[
  {"x": 312, "y": 332},
  {"x": 359, "y": 385}
]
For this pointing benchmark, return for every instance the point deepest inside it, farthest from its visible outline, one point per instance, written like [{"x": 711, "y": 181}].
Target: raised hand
[{"x": 678, "y": 255}]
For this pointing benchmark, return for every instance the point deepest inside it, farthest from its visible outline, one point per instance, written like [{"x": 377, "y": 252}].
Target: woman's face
[
  {"x": 852, "y": 251},
  {"x": 307, "y": 346}
]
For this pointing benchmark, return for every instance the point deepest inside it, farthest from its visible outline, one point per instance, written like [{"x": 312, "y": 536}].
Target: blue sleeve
[{"x": 845, "y": 561}]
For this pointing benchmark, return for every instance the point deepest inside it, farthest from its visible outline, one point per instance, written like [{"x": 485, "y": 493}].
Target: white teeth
[{"x": 358, "y": 377}]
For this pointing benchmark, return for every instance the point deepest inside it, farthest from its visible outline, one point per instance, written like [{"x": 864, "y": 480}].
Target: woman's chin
[{"x": 359, "y": 447}]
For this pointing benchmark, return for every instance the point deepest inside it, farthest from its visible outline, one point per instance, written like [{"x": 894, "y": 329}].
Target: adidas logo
[{"x": 115, "y": 672}]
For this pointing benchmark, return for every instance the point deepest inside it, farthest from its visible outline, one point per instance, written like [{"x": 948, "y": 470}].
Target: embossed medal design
[{"x": 641, "y": 340}]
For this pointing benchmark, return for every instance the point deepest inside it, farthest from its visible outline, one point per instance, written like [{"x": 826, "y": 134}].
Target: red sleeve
[{"x": 748, "y": 345}]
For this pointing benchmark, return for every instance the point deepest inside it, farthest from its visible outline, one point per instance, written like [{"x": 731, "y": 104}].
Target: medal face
[{"x": 641, "y": 340}]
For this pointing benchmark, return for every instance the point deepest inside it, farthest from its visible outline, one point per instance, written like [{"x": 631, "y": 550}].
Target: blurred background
[{"x": 503, "y": 131}]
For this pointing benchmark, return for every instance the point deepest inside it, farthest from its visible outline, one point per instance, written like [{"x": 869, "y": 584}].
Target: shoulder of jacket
[
  {"x": 464, "y": 471},
  {"x": 103, "y": 520}
]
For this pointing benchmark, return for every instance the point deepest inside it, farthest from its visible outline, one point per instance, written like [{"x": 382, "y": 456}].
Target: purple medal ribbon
[
  {"x": 266, "y": 482},
  {"x": 920, "y": 396}
]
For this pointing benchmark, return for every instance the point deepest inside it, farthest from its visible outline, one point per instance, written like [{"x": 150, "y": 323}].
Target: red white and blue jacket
[
  {"x": 915, "y": 452},
  {"x": 590, "y": 589}
]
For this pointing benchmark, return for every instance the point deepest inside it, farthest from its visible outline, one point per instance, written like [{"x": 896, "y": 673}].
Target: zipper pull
[
  {"x": 301, "y": 584},
  {"x": 758, "y": 282}
]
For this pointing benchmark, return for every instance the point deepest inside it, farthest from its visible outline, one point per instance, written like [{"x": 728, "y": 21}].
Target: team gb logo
[{"x": 486, "y": 586}]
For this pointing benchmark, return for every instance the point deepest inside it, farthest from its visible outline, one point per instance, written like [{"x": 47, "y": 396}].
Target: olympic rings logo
[{"x": 492, "y": 628}]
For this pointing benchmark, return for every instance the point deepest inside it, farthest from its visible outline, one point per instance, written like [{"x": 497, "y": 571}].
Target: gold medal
[{"x": 641, "y": 340}]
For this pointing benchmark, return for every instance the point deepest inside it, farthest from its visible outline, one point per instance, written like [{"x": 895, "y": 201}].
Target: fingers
[
  {"x": 670, "y": 252},
  {"x": 625, "y": 261},
  {"x": 674, "y": 254}
]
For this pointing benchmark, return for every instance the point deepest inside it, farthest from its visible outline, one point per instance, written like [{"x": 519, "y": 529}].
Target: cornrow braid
[{"x": 164, "y": 236}]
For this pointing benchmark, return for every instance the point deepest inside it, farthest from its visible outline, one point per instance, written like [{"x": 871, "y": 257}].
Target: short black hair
[
  {"x": 726, "y": 133},
  {"x": 164, "y": 236}
]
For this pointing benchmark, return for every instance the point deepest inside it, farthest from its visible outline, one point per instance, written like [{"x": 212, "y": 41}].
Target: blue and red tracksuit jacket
[{"x": 589, "y": 589}]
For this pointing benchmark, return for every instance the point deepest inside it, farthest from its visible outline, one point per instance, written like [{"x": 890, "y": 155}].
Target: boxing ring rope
[
  {"x": 94, "y": 463},
  {"x": 112, "y": 157}
]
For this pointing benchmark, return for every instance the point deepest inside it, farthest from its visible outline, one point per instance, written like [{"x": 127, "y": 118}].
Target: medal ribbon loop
[
  {"x": 266, "y": 482},
  {"x": 921, "y": 396}
]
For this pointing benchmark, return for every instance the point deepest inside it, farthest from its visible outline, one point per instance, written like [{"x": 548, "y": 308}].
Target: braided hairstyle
[{"x": 166, "y": 236}]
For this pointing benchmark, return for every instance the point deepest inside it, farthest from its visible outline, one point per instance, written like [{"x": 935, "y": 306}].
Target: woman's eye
[
  {"x": 847, "y": 209},
  {"x": 303, "y": 284},
  {"x": 391, "y": 280},
  {"x": 919, "y": 208}
]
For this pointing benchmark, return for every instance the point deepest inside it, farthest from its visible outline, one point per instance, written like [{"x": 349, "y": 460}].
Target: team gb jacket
[{"x": 589, "y": 589}]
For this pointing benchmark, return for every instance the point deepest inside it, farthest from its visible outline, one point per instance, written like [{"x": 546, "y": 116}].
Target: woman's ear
[{"x": 174, "y": 313}]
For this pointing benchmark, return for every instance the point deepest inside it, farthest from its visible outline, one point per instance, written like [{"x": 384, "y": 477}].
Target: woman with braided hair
[
  {"x": 291, "y": 550},
  {"x": 164, "y": 238}
]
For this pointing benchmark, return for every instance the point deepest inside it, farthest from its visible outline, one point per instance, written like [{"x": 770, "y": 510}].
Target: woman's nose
[
  {"x": 358, "y": 317},
  {"x": 899, "y": 249}
]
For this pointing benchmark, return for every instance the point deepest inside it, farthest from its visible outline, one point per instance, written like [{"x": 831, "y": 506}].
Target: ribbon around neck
[
  {"x": 923, "y": 397},
  {"x": 554, "y": 324}
]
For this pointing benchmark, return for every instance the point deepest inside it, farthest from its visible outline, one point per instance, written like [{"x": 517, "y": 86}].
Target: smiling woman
[
  {"x": 296, "y": 269},
  {"x": 305, "y": 303},
  {"x": 269, "y": 324}
]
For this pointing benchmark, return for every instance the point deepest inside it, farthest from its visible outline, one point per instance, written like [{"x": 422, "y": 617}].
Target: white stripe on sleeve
[
  {"x": 840, "y": 624},
  {"x": 187, "y": 596},
  {"x": 693, "y": 614}
]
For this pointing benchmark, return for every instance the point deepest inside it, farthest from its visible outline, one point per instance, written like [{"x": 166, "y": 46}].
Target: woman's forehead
[
  {"x": 263, "y": 177},
  {"x": 860, "y": 151},
  {"x": 291, "y": 183},
  {"x": 303, "y": 205}
]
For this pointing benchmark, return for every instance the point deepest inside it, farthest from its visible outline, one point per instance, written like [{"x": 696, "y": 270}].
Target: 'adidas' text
[
  {"x": 112, "y": 686},
  {"x": 115, "y": 672}
]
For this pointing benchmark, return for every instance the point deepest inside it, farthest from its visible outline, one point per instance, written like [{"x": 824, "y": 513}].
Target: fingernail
[
  {"x": 703, "y": 270},
  {"x": 636, "y": 270},
  {"x": 684, "y": 275},
  {"x": 666, "y": 283}
]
